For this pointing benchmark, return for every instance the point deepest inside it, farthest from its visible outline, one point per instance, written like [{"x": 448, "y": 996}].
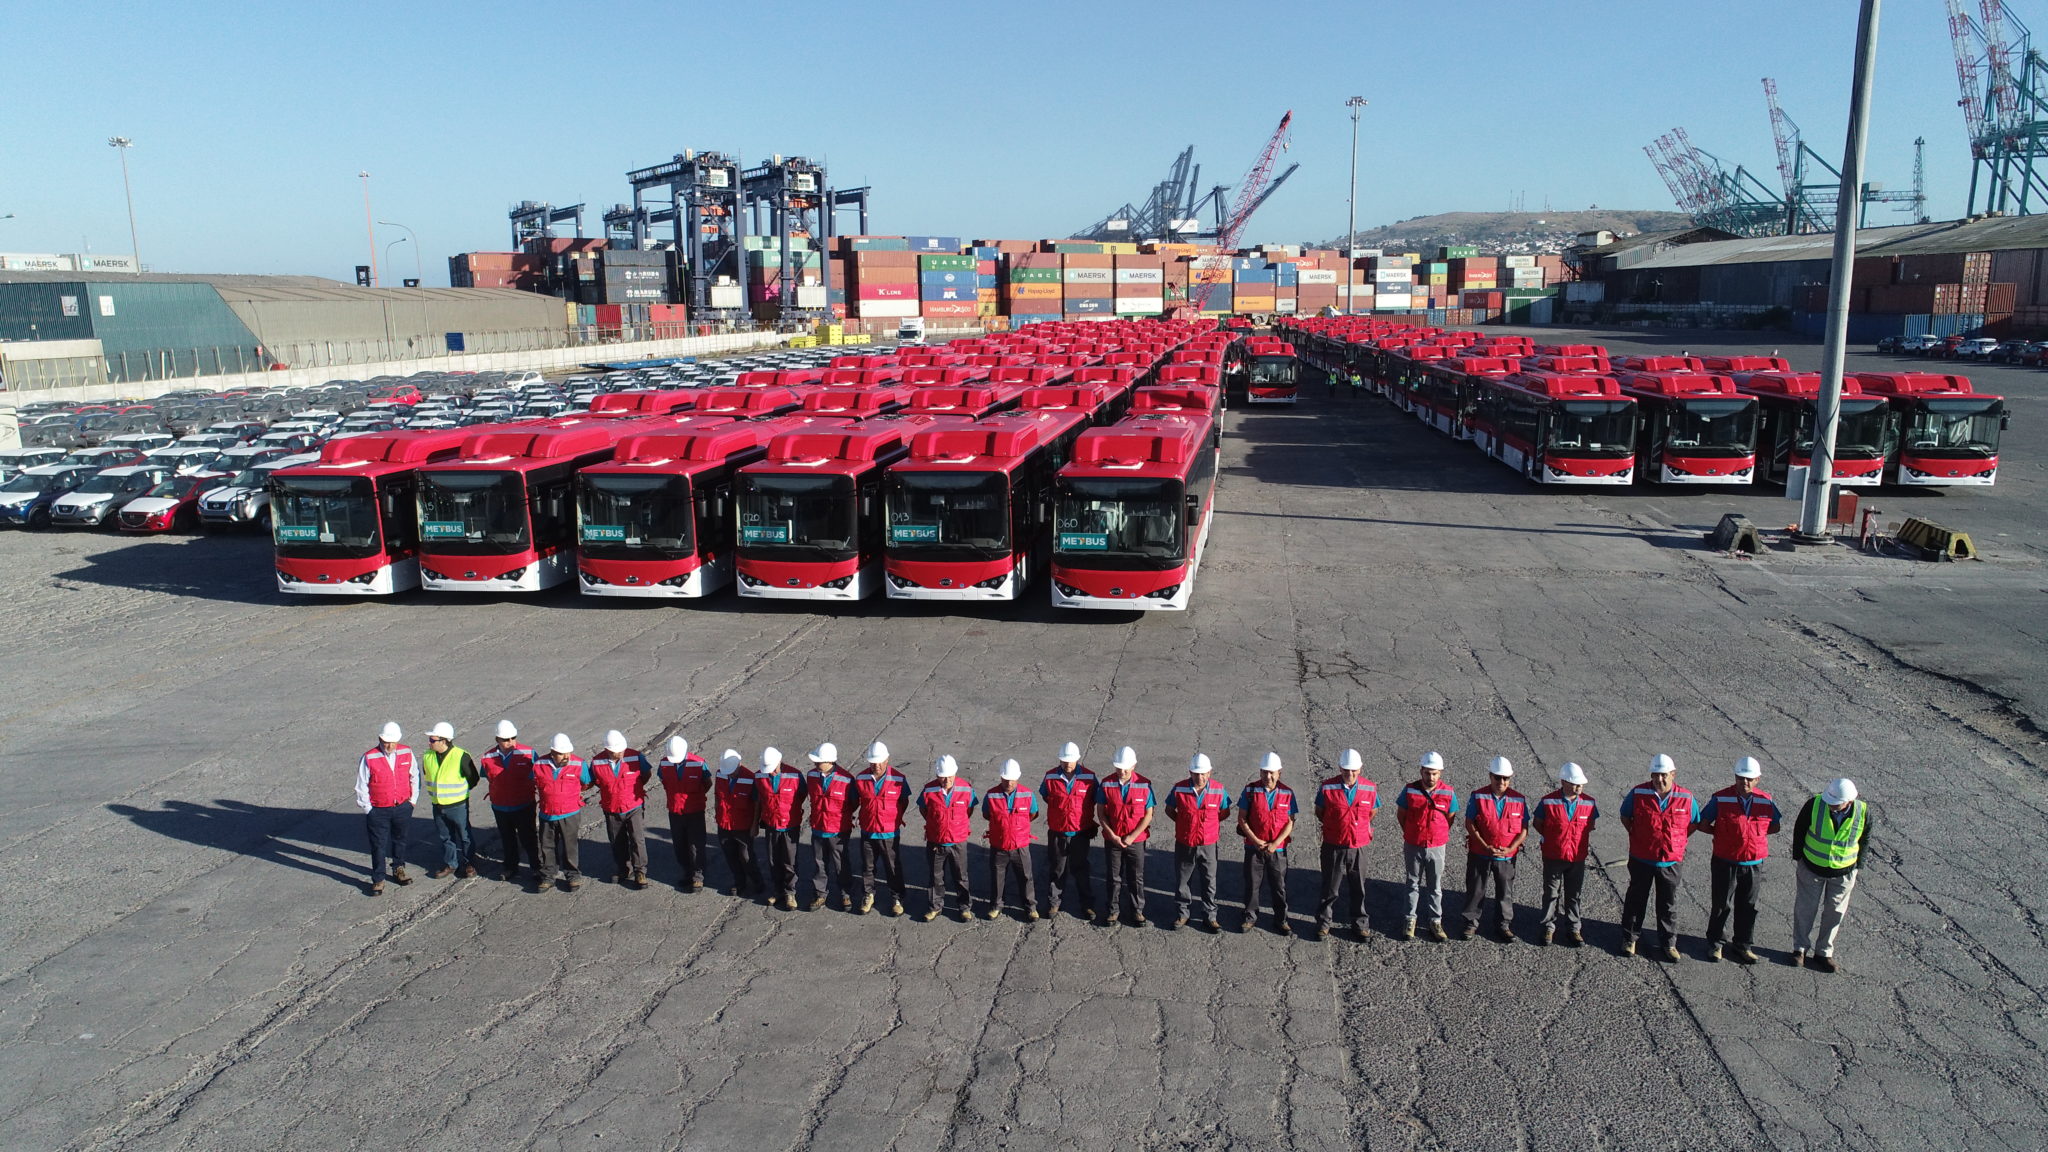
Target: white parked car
[{"x": 245, "y": 499}]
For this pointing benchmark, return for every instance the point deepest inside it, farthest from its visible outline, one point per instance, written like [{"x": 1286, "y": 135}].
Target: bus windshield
[
  {"x": 1270, "y": 370},
  {"x": 803, "y": 518},
  {"x": 1955, "y": 429},
  {"x": 634, "y": 516},
  {"x": 1593, "y": 427},
  {"x": 473, "y": 513},
  {"x": 1712, "y": 427},
  {"x": 1862, "y": 433},
  {"x": 313, "y": 516},
  {"x": 1119, "y": 523},
  {"x": 942, "y": 515}
]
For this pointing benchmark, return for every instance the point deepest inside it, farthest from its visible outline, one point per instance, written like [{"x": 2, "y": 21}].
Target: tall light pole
[
  {"x": 369, "y": 226},
  {"x": 121, "y": 144},
  {"x": 1351, "y": 226},
  {"x": 417, "y": 268}
]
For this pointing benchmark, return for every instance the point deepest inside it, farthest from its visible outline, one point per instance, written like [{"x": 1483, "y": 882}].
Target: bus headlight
[
  {"x": 591, "y": 578},
  {"x": 1067, "y": 590},
  {"x": 677, "y": 581},
  {"x": 430, "y": 574},
  {"x": 1166, "y": 593},
  {"x": 993, "y": 581},
  {"x": 752, "y": 581},
  {"x": 839, "y": 584},
  {"x": 365, "y": 578},
  {"x": 287, "y": 578}
]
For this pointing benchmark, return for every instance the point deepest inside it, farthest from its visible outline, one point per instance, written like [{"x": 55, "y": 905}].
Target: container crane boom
[{"x": 1256, "y": 186}]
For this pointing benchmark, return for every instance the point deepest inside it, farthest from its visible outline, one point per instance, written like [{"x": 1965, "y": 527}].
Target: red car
[{"x": 171, "y": 505}]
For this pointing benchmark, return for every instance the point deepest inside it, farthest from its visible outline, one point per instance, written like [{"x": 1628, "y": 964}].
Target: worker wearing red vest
[
  {"x": 738, "y": 816},
  {"x": 1123, "y": 810},
  {"x": 622, "y": 775},
  {"x": 1496, "y": 827},
  {"x": 509, "y": 768},
  {"x": 1265, "y": 820},
  {"x": 1197, "y": 806},
  {"x": 1565, "y": 819},
  {"x": 1345, "y": 804},
  {"x": 1010, "y": 811},
  {"x": 948, "y": 807},
  {"x": 1659, "y": 815},
  {"x": 1069, "y": 794},
  {"x": 387, "y": 785},
  {"x": 884, "y": 795},
  {"x": 1741, "y": 817},
  {"x": 779, "y": 790},
  {"x": 829, "y": 790},
  {"x": 560, "y": 779},
  {"x": 1427, "y": 808},
  {"x": 686, "y": 782}
]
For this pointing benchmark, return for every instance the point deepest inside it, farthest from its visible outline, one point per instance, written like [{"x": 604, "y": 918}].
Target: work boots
[
  {"x": 867, "y": 904},
  {"x": 1408, "y": 930},
  {"x": 1436, "y": 932},
  {"x": 400, "y": 876}
]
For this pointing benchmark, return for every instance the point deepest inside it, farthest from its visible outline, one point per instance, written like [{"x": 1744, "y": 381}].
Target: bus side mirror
[
  {"x": 2004, "y": 421},
  {"x": 1194, "y": 511}
]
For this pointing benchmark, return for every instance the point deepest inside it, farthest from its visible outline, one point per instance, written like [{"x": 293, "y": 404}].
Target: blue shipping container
[
  {"x": 948, "y": 244},
  {"x": 1018, "y": 319},
  {"x": 1255, "y": 276},
  {"x": 1089, "y": 307},
  {"x": 985, "y": 280}
]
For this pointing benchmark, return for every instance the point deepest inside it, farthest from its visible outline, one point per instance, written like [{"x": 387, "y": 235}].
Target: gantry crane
[
  {"x": 2004, "y": 84},
  {"x": 1812, "y": 185},
  {"x": 1172, "y": 211}
]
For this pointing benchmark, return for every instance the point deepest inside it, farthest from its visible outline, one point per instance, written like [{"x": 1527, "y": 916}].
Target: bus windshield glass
[
  {"x": 1956, "y": 429},
  {"x": 473, "y": 513},
  {"x": 315, "y": 516},
  {"x": 629, "y": 516},
  {"x": 1712, "y": 427},
  {"x": 1119, "y": 523},
  {"x": 1270, "y": 370},
  {"x": 941, "y": 515},
  {"x": 1861, "y": 434},
  {"x": 1593, "y": 427},
  {"x": 801, "y": 518}
]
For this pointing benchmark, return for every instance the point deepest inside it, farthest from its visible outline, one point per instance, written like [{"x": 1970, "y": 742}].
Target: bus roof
[
  {"x": 383, "y": 453},
  {"x": 1570, "y": 363},
  {"x": 1564, "y": 385},
  {"x": 747, "y": 402},
  {"x": 934, "y": 376},
  {"x": 1483, "y": 365},
  {"x": 980, "y": 398},
  {"x": 537, "y": 444},
  {"x": 651, "y": 401},
  {"x": 1798, "y": 385},
  {"x": 1157, "y": 444},
  {"x": 1080, "y": 397},
  {"x": 1174, "y": 398},
  {"x": 1661, "y": 363},
  {"x": 690, "y": 450},
  {"x": 1678, "y": 385},
  {"x": 851, "y": 450},
  {"x": 983, "y": 446},
  {"x": 1923, "y": 384},
  {"x": 856, "y": 401},
  {"x": 1745, "y": 364}
]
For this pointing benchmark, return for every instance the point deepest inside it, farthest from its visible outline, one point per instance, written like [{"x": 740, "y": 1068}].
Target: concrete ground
[{"x": 189, "y": 961}]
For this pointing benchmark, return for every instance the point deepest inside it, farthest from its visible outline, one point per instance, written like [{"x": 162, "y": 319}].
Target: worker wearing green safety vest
[
  {"x": 447, "y": 773},
  {"x": 1831, "y": 836}
]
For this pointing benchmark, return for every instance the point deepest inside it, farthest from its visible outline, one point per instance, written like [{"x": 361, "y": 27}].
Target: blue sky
[{"x": 1028, "y": 119}]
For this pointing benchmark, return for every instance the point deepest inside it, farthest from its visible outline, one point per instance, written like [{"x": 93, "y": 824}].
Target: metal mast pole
[
  {"x": 1820, "y": 475},
  {"x": 370, "y": 227},
  {"x": 121, "y": 144},
  {"x": 1351, "y": 227}
]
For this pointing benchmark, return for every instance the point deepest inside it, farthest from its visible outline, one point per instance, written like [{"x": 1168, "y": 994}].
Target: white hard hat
[
  {"x": 826, "y": 753},
  {"x": 946, "y": 766},
  {"x": 507, "y": 730},
  {"x": 615, "y": 741},
  {"x": 391, "y": 732},
  {"x": 561, "y": 743},
  {"x": 729, "y": 762},
  {"x": 1070, "y": 752},
  {"x": 678, "y": 748},
  {"x": 1349, "y": 760},
  {"x": 444, "y": 730},
  {"x": 1199, "y": 763},
  {"x": 1432, "y": 760},
  {"x": 1842, "y": 791},
  {"x": 1661, "y": 764},
  {"x": 1125, "y": 758},
  {"x": 1748, "y": 769},
  {"x": 1501, "y": 766},
  {"x": 1270, "y": 762},
  {"x": 1571, "y": 773},
  {"x": 878, "y": 753},
  {"x": 771, "y": 759},
  {"x": 1012, "y": 770}
]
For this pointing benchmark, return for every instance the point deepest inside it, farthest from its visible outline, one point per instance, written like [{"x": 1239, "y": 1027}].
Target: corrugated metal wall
[
  {"x": 395, "y": 316},
  {"x": 148, "y": 329},
  {"x": 38, "y": 311}
]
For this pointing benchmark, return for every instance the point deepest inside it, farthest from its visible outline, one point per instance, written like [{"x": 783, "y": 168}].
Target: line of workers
[{"x": 759, "y": 814}]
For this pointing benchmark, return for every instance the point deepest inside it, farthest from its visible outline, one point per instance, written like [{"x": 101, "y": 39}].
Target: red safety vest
[
  {"x": 560, "y": 789},
  {"x": 1566, "y": 825},
  {"x": 390, "y": 776},
  {"x": 1347, "y": 823},
  {"x": 1069, "y": 800},
  {"x": 1126, "y": 811},
  {"x": 781, "y": 798},
  {"x": 1197, "y": 809},
  {"x": 948, "y": 812},
  {"x": 884, "y": 795},
  {"x": 621, "y": 781},
  {"x": 1496, "y": 820},
  {"x": 1657, "y": 833},
  {"x": 1266, "y": 817},
  {"x": 685, "y": 783},
  {"x": 1740, "y": 837},
  {"x": 1426, "y": 814},
  {"x": 737, "y": 806},
  {"x": 832, "y": 798},
  {"x": 1009, "y": 813},
  {"x": 510, "y": 774}
]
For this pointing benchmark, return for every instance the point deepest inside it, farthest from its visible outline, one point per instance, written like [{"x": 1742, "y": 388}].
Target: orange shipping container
[{"x": 1033, "y": 291}]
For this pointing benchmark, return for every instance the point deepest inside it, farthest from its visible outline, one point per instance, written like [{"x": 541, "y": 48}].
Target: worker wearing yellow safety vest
[
  {"x": 447, "y": 773},
  {"x": 1831, "y": 836}
]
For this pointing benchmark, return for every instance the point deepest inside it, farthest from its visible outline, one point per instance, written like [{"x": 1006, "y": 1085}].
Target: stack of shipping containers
[
  {"x": 1089, "y": 283},
  {"x": 881, "y": 277},
  {"x": 1140, "y": 285},
  {"x": 1033, "y": 288},
  {"x": 948, "y": 288}
]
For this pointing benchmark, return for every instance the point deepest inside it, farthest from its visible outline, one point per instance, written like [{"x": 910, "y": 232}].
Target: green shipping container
[
  {"x": 1437, "y": 268},
  {"x": 1080, "y": 248},
  {"x": 945, "y": 263},
  {"x": 878, "y": 243},
  {"x": 1034, "y": 276},
  {"x": 1458, "y": 252}
]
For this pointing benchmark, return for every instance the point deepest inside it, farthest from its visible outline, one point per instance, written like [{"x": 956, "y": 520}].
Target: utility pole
[
  {"x": 1820, "y": 474},
  {"x": 121, "y": 144},
  {"x": 1351, "y": 225},
  {"x": 369, "y": 226}
]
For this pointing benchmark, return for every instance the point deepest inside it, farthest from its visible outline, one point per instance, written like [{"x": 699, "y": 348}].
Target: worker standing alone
[
  {"x": 1741, "y": 817},
  {"x": 1068, "y": 790},
  {"x": 1198, "y": 805},
  {"x": 622, "y": 774},
  {"x": 686, "y": 783},
  {"x": 449, "y": 773},
  {"x": 947, "y": 803},
  {"x": 509, "y": 767},
  {"x": 1265, "y": 819},
  {"x": 1123, "y": 810},
  {"x": 1345, "y": 804},
  {"x": 738, "y": 816},
  {"x": 387, "y": 786},
  {"x": 1496, "y": 826},
  {"x": 780, "y": 790},
  {"x": 1009, "y": 811},
  {"x": 1659, "y": 815},
  {"x": 884, "y": 795},
  {"x": 1833, "y": 833},
  {"x": 1426, "y": 808}
]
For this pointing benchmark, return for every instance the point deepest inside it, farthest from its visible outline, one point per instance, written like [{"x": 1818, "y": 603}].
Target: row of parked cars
[{"x": 1985, "y": 348}]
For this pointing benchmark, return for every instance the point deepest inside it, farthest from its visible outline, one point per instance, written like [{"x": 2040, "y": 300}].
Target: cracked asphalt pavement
[{"x": 189, "y": 961}]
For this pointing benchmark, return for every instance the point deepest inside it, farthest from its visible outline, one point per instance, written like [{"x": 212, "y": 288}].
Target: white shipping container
[
  {"x": 888, "y": 309},
  {"x": 1392, "y": 276},
  {"x": 1140, "y": 305},
  {"x": 1209, "y": 262},
  {"x": 810, "y": 297},
  {"x": 1317, "y": 276},
  {"x": 1524, "y": 278},
  {"x": 1139, "y": 276},
  {"x": 1086, "y": 275},
  {"x": 1378, "y": 263},
  {"x": 1385, "y": 302},
  {"x": 90, "y": 262},
  {"x": 1285, "y": 304},
  {"x": 35, "y": 262},
  {"x": 1518, "y": 261},
  {"x": 726, "y": 296}
]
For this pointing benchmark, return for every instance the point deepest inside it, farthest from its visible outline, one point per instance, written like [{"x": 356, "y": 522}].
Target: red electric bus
[
  {"x": 855, "y": 403},
  {"x": 1557, "y": 427},
  {"x": 658, "y": 402},
  {"x": 746, "y": 403},
  {"x": 1132, "y": 511},
  {"x": 1948, "y": 431},
  {"x": 348, "y": 524},
  {"x": 1272, "y": 372},
  {"x": 1694, "y": 428},
  {"x": 1445, "y": 390},
  {"x": 1788, "y": 405},
  {"x": 977, "y": 401},
  {"x": 656, "y": 520},
  {"x": 811, "y": 524}
]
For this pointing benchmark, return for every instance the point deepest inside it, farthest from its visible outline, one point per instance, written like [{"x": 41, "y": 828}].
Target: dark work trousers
[
  {"x": 832, "y": 856},
  {"x": 686, "y": 829},
  {"x": 1562, "y": 881},
  {"x": 452, "y": 821},
  {"x": 1737, "y": 887},
  {"x": 1123, "y": 874},
  {"x": 1067, "y": 856},
  {"x": 1005, "y": 862},
  {"x": 738, "y": 847},
  {"x": 940, "y": 860},
  {"x": 1194, "y": 880},
  {"x": 518, "y": 837},
  {"x": 1642, "y": 876},
  {"x": 1343, "y": 876},
  {"x": 386, "y": 827},
  {"x": 1489, "y": 881},
  {"x": 628, "y": 833},
  {"x": 1265, "y": 871},
  {"x": 558, "y": 846},
  {"x": 881, "y": 854},
  {"x": 782, "y": 859}
]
